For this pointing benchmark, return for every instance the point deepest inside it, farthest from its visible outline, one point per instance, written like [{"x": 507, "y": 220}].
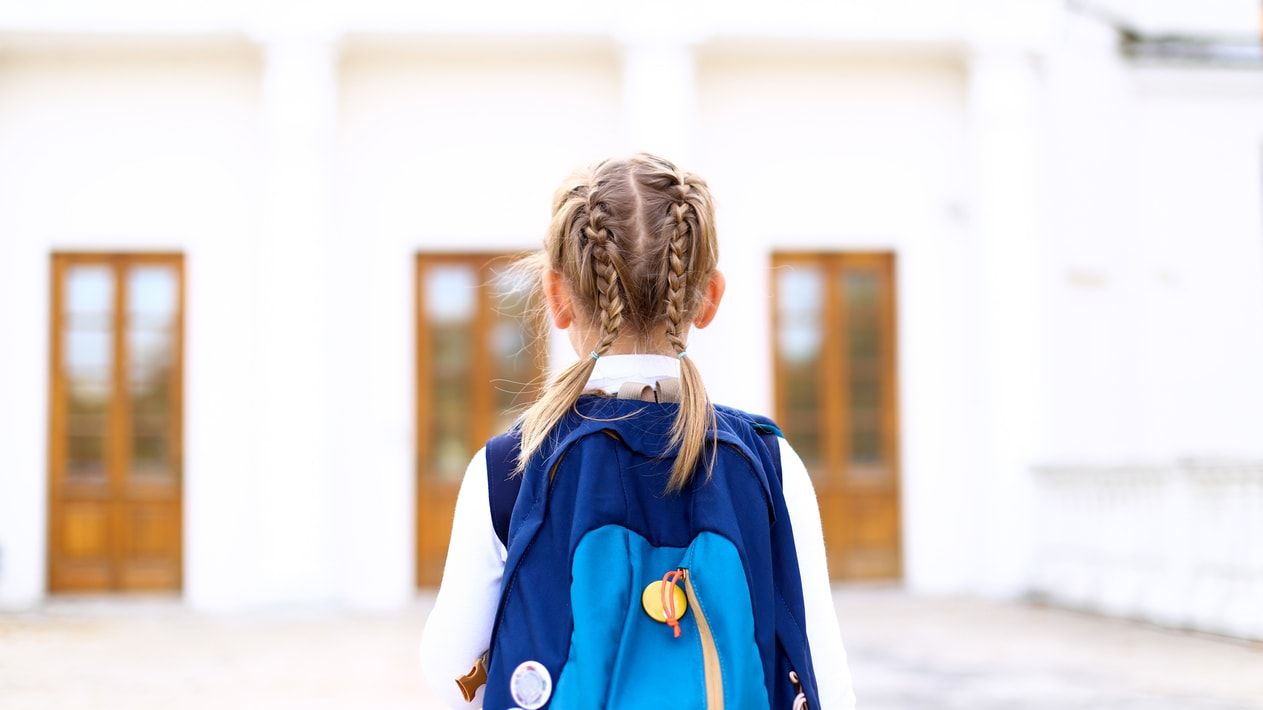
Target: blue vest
[{"x": 594, "y": 542}]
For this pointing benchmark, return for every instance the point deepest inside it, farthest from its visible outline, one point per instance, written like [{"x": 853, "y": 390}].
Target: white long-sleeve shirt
[{"x": 458, "y": 629}]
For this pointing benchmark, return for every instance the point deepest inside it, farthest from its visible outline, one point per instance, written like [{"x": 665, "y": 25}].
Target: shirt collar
[{"x": 611, "y": 371}]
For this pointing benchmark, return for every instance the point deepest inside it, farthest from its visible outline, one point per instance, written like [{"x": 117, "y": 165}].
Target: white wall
[
  {"x": 1154, "y": 274},
  {"x": 1079, "y": 259},
  {"x": 299, "y": 409},
  {"x": 129, "y": 150},
  {"x": 1197, "y": 280},
  {"x": 1148, "y": 471},
  {"x": 816, "y": 149},
  {"x": 450, "y": 148}
]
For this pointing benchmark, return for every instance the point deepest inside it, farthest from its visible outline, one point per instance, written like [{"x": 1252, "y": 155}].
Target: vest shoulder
[{"x": 762, "y": 424}]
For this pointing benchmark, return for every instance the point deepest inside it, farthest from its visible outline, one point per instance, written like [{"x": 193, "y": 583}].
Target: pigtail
[
  {"x": 598, "y": 272},
  {"x": 695, "y": 416}
]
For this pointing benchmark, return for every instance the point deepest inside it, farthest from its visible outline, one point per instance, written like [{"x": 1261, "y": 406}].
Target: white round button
[{"x": 530, "y": 685}]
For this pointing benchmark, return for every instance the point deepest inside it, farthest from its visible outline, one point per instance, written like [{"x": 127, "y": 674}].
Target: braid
[
  {"x": 695, "y": 417},
  {"x": 579, "y": 222},
  {"x": 677, "y": 276},
  {"x": 609, "y": 297},
  {"x": 634, "y": 240}
]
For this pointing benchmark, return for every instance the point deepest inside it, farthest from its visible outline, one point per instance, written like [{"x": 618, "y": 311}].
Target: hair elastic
[
  {"x": 593, "y": 355},
  {"x": 682, "y": 354}
]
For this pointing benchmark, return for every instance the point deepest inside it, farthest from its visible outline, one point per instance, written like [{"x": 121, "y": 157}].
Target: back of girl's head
[{"x": 634, "y": 242}]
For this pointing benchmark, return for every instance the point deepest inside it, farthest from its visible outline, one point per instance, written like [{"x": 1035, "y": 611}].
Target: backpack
[{"x": 617, "y": 595}]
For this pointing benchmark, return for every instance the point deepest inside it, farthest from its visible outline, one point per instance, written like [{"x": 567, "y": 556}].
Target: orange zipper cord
[{"x": 668, "y": 598}]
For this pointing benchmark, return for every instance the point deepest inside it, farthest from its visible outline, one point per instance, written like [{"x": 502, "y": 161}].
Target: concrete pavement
[{"x": 905, "y": 652}]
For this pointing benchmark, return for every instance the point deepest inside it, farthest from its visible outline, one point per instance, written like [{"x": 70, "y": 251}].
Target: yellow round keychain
[{"x": 651, "y": 600}]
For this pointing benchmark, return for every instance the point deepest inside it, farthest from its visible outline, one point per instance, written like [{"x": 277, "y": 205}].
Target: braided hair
[{"x": 634, "y": 240}]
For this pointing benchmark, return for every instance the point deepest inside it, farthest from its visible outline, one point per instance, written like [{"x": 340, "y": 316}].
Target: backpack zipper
[{"x": 710, "y": 652}]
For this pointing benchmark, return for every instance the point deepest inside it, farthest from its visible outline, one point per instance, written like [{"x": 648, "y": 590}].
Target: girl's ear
[
  {"x": 560, "y": 307},
  {"x": 710, "y": 304}
]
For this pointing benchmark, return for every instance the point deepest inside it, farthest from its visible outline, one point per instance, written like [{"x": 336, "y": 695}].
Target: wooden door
[
  {"x": 115, "y": 422},
  {"x": 479, "y": 361},
  {"x": 836, "y": 395}
]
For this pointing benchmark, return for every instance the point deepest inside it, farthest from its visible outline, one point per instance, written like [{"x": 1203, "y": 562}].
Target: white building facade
[{"x": 1076, "y": 239}]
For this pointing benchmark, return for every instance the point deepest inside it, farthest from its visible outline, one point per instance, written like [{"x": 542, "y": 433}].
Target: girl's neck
[{"x": 628, "y": 344}]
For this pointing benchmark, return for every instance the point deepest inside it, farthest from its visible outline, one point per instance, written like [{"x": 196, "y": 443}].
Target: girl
[{"x": 629, "y": 265}]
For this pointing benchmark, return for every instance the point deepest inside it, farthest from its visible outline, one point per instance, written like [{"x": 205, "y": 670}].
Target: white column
[
  {"x": 659, "y": 96},
  {"x": 24, "y": 363},
  {"x": 295, "y": 487},
  {"x": 1005, "y": 135}
]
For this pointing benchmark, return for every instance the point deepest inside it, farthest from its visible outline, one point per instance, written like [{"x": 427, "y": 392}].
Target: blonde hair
[{"x": 634, "y": 240}]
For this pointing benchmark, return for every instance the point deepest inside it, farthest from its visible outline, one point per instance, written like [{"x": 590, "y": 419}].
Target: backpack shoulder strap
[
  {"x": 502, "y": 485},
  {"x": 769, "y": 436},
  {"x": 502, "y": 452},
  {"x": 768, "y": 432}
]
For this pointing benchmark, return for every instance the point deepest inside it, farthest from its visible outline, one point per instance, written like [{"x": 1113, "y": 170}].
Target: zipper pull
[
  {"x": 664, "y": 602},
  {"x": 800, "y": 701},
  {"x": 669, "y": 591}
]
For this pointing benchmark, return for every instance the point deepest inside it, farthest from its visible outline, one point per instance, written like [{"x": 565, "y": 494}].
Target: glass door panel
[
  {"x": 115, "y": 429},
  {"x": 477, "y": 362},
  {"x": 835, "y": 382}
]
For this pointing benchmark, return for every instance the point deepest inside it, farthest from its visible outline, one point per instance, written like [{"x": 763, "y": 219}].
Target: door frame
[
  {"x": 480, "y": 372},
  {"x": 834, "y": 362},
  {"x": 59, "y": 261}
]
